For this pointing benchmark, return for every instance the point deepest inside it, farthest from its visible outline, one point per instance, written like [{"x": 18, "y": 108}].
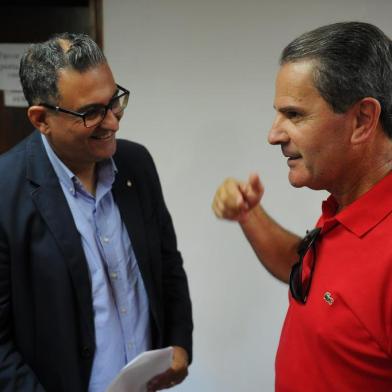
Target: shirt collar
[
  {"x": 364, "y": 213},
  {"x": 106, "y": 170}
]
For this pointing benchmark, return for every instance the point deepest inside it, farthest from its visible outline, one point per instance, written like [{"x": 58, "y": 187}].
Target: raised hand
[{"x": 234, "y": 199}]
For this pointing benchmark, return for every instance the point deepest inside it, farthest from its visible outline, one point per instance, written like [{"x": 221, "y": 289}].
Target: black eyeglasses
[
  {"x": 94, "y": 116},
  {"x": 301, "y": 275}
]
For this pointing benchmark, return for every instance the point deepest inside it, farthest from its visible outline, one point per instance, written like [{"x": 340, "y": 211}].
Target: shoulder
[
  {"x": 133, "y": 155},
  {"x": 14, "y": 189},
  {"x": 13, "y": 162},
  {"x": 14, "y": 154},
  {"x": 26, "y": 161},
  {"x": 134, "y": 161},
  {"x": 126, "y": 147}
]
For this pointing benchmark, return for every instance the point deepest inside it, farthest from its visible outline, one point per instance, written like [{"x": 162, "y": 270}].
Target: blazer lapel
[
  {"x": 127, "y": 199},
  {"x": 52, "y": 205},
  {"x": 124, "y": 191}
]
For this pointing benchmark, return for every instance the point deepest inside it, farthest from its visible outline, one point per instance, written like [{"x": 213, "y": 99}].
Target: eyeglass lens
[{"x": 116, "y": 105}]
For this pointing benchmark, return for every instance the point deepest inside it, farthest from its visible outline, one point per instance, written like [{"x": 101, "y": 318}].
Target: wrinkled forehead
[{"x": 295, "y": 80}]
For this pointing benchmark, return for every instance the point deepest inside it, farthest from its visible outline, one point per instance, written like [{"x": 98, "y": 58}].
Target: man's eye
[
  {"x": 94, "y": 113},
  {"x": 292, "y": 114},
  {"x": 115, "y": 103}
]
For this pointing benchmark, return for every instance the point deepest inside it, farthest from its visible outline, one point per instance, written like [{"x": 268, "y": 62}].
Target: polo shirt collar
[{"x": 364, "y": 213}]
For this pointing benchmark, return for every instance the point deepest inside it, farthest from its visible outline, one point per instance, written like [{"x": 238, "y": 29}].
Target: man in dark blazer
[{"x": 48, "y": 306}]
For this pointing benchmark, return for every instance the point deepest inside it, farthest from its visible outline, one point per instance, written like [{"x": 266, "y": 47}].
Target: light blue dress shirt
[{"x": 120, "y": 304}]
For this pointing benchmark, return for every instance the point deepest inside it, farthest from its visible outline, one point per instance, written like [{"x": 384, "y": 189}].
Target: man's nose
[
  {"x": 111, "y": 121},
  {"x": 277, "y": 133}
]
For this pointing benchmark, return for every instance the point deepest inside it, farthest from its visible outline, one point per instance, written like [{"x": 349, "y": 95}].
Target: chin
[
  {"x": 106, "y": 153},
  {"x": 300, "y": 183},
  {"x": 304, "y": 178},
  {"x": 297, "y": 181}
]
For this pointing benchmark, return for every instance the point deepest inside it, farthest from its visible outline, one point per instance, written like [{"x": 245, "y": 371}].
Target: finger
[
  {"x": 166, "y": 380},
  {"x": 218, "y": 208},
  {"x": 232, "y": 213},
  {"x": 229, "y": 202},
  {"x": 252, "y": 191},
  {"x": 158, "y": 382},
  {"x": 255, "y": 183},
  {"x": 230, "y": 193}
]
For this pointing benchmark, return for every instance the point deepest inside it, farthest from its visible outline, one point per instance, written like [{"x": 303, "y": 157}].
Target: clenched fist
[{"x": 235, "y": 199}]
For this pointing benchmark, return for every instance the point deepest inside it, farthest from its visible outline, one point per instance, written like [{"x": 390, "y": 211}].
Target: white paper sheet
[{"x": 135, "y": 375}]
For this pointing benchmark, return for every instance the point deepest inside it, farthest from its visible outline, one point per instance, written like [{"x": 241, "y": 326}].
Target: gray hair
[
  {"x": 40, "y": 65},
  {"x": 352, "y": 60}
]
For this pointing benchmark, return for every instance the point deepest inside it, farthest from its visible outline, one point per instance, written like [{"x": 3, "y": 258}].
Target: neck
[
  {"x": 85, "y": 171},
  {"x": 87, "y": 176},
  {"x": 361, "y": 182},
  {"x": 366, "y": 164}
]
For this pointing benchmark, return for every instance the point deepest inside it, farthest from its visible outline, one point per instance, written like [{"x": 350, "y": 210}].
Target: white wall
[{"x": 201, "y": 75}]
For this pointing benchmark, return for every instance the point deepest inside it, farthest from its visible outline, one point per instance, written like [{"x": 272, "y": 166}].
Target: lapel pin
[
  {"x": 129, "y": 183},
  {"x": 328, "y": 298}
]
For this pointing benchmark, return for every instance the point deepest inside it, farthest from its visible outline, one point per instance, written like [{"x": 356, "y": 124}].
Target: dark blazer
[{"x": 46, "y": 316}]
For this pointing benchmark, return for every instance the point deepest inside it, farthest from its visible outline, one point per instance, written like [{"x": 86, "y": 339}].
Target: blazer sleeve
[
  {"x": 176, "y": 298},
  {"x": 15, "y": 374}
]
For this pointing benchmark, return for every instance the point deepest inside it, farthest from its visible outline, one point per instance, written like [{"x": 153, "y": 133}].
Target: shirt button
[
  {"x": 105, "y": 240},
  {"x": 123, "y": 310},
  {"x": 129, "y": 345},
  {"x": 113, "y": 275}
]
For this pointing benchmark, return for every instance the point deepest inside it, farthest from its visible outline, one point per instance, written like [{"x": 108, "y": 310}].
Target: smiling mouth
[
  {"x": 290, "y": 155},
  {"x": 292, "y": 159},
  {"x": 103, "y": 136}
]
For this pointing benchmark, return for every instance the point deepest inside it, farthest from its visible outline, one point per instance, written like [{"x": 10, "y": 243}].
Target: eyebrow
[
  {"x": 288, "y": 108},
  {"x": 85, "y": 108}
]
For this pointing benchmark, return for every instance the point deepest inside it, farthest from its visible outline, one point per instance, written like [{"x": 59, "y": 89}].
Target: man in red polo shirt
[{"x": 333, "y": 122}]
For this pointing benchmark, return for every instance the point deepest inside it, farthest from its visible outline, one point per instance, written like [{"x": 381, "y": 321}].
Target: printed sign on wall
[{"x": 10, "y": 55}]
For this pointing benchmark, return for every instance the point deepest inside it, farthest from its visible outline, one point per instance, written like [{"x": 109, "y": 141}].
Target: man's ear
[
  {"x": 38, "y": 117},
  {"x": 366, "y": 119}
]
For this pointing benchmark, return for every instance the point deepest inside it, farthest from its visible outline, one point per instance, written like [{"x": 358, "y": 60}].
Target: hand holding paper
[
  {"x": 173, "y": 376},
  {"x": 137, "y": 373}
]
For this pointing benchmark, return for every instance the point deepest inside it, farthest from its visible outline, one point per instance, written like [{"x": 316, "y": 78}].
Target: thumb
[
  {"x": 253, "y": 191},
  {"x": 255, "y": 184}
]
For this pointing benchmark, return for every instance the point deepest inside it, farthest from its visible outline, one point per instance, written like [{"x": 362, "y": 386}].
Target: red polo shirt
[{"x": 341, "y": 339}]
